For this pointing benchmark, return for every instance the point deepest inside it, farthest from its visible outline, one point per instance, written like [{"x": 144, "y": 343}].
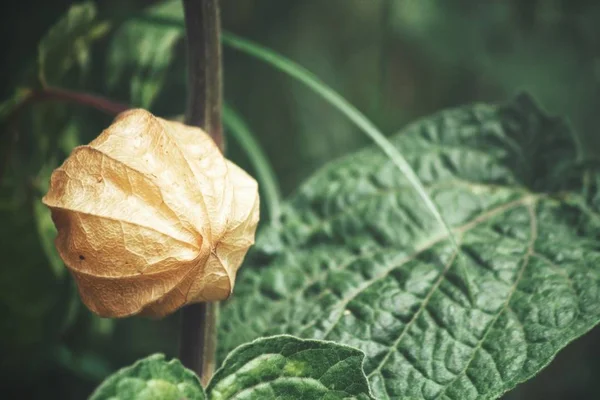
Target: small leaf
[
  {"x": 140, "y": 53},
  {"x": 67, "y": 43},
  {"x": 285, "y": 367},
  {"x": 152, "y": 378},
  {"x": 360, "y": 260}
]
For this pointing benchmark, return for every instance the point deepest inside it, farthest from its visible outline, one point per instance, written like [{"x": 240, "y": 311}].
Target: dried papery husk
[{"x": 151, "y": 216}]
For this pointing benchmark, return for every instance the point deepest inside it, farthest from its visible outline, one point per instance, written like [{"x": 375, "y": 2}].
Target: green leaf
[
  {"x": 68, "y": 42},
  {"x": 65, "y": 137},
  {"x": 141, "y": 53},
  {"x": 47, "y": 232},
  {"x": 360, "y": 260},
  {"x": 152, "y": 378},
  {"x": 83, "y": 364},
  {"x": 9, "y": 105},
  {"x": 31, "y": 298},
  {"x": 8, "y": 108},
  {"x": 279, "y": 367},
  {"x": 285, "y": 367}
]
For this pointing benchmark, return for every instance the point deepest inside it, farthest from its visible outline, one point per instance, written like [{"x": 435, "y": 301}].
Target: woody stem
[
  {"x": 203, "y": 32},
  {"x": 198, "y": 328}
]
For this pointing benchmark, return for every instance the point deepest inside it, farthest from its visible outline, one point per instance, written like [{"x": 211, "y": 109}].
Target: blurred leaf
[
  {"x": 47, "y": 233},
  {"x": 8, "y": 128},
  {"x": 545, "y": 48},
  {"x": 140, "y": 53},
  {"x": 152, "y": 378},
  {"x": 68, "y": 42},
  {"x": 41, "y": 301},
  {"x": 9, "y": 105},
  {"x": 48, "y": 123},
  {"x": 86, "y": 365},
  {"x": 265, "y": 175},
  {"x": 102, "y": 327},
  {"x": 285, "y": 367},
  {"x": 466, "y": 32},
  {"x": 29, "y": 292},
  {"x": 360, "y": 260},
  {"x": 70, "y": 136}
]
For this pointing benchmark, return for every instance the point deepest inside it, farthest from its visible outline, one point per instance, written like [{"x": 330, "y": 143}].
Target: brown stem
[
  {"x": 202, "y": 22},
  {"x": 198, "y": 344},
  {"x": 57, "y": 95},
  {"x": 203, "y": 30}
]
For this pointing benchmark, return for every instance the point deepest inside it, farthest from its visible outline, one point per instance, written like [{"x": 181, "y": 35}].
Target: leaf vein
[{"x": 527, "y": 258}]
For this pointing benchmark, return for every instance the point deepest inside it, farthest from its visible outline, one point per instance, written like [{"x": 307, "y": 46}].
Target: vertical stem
[
  {"x": 202, "y": 22},
  {"x": 203, "y": 32},
  {"x": 199, "y": 339}
]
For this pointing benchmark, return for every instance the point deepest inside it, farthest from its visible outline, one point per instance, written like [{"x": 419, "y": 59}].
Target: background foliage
[{"x": 394, "y": 59}]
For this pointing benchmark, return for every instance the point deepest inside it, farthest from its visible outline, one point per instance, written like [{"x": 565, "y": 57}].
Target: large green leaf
[
  {"x": 360, "y": 260},
  {"x": 152, "y": 378},
  {"x": 141, "y": 53},
  {"x": 285, "y": 367},
  {"x": 68, "y": 42}
]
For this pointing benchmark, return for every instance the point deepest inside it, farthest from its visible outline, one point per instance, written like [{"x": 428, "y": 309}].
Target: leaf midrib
[
  {"x": 424, "y": 247},
  {"x": 399, "y": 189},
  {"x": 393, "y": 190},
  {"x": 482, "y": 218},
  {"x": 528, "y": 197},
  {"x": 527, "y": 257}
]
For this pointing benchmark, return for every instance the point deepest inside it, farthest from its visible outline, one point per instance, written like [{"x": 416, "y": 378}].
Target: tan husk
[{"x": 151, "y": 217}]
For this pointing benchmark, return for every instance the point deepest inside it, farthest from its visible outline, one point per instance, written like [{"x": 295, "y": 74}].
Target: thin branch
[
  {"x": 65, "y": 95},
  {"x": 86, "y": 99},
  {"x": 202, "y": 22},
  {"x": 52, "y": 94}
]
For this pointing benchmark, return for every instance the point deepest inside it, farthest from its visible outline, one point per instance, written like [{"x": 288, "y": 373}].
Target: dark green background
[{"x": 396, "y": 60}]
